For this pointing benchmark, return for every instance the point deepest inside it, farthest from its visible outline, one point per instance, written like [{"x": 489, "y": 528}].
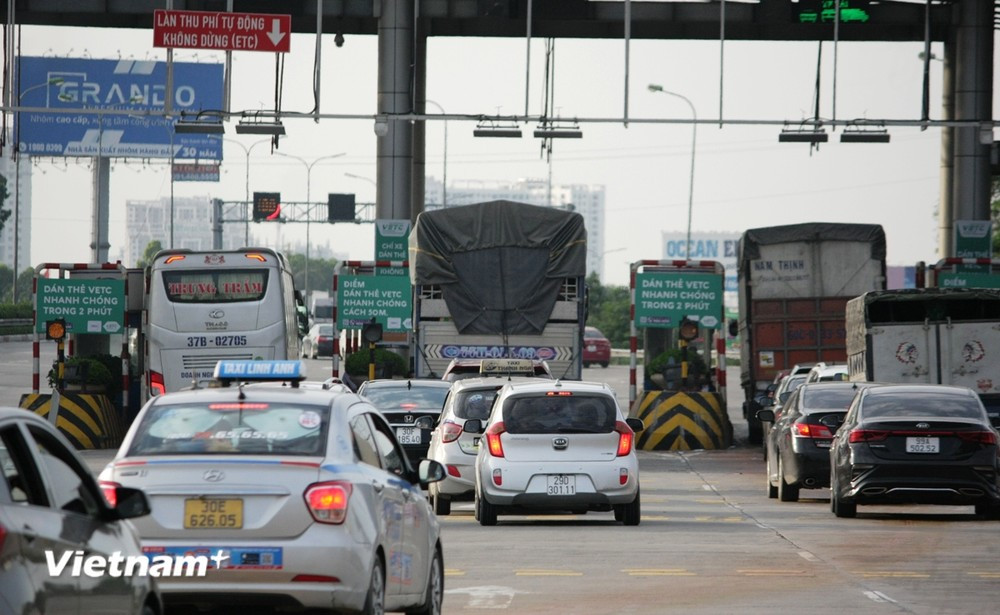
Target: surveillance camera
[
  {"x": 338, "y": 40},
  {"x": 381, "y": 127}
]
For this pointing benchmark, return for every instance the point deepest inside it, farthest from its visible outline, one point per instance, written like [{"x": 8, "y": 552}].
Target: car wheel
[
  {"x": 604, "y": 363},
  {"x": 772, "y": 489},
  {"x": 629, "y": 513},
  {"x": 586, "y": 364},
  {"x": 755, "y": 432},
  {"x": 375, "y": 601},
  {"x": 442, "y": 505},
  {"x": 990, "y": 510},
  {"x": 147, "y": 609},
  {"x": 487, "y": 512},
  {"x": 435, "y": 588},
  {"x": 305, "y": 353},
  {"x": 786, "y": 492},
  {"x": 841, "y": 507}
]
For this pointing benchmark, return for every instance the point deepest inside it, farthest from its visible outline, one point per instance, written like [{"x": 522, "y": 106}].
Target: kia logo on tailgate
[
  {"x": 923, "y": 425},
  {"x": 560, "y": 442}
]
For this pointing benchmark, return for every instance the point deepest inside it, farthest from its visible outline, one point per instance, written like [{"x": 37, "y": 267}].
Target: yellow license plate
[{"x": 202, "y": 514}]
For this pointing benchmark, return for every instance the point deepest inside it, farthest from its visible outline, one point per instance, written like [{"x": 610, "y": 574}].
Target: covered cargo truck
[
  {"x": 794, "y": 283},
  {"x": 498, "y": 279},
  {"x": 928, "y": 335}
]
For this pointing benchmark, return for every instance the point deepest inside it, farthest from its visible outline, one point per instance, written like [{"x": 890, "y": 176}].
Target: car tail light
[
  {"x": 314, "y": 578},
  {"x": 110, "y": 491},
  {"x": 622, "y": 476},
  {"x": 493, "y": 439},
  {"x": 328, "y": 501},
  {"x": 805, "y": 430},
  {"x": 867, "y": 435},
  {"x": 450, "y": 431},
  {"x": 3, "y": 535},
  {"x": 979, "y": 437},
  {"x": 453, "y": 471},
  {"x": 156, "y": 386},
  {"x": 497, "y": 477},
  {"x": 625, "y": 437}
]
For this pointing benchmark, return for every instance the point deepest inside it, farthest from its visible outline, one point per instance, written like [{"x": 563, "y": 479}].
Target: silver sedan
[{"x": 303, "y": 496}]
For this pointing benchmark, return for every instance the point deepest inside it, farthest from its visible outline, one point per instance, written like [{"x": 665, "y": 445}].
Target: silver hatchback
[{"x": 556, "y": 446}]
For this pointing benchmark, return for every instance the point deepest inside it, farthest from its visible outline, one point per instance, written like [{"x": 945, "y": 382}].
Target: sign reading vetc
[
  {"x": 223, "y": 31},
  {"x": 662, "y": 300},
  {"x": 392, "y": 244},
  {"x": 386, "y": 298},
  {"x": 87, "y": 306}
]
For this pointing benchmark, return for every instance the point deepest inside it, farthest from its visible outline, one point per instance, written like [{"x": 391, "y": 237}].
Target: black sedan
[
  {"x": 915, "y": 444},
  {"x": 405, "y": 401},
  {"x": 797, "y": 447}
]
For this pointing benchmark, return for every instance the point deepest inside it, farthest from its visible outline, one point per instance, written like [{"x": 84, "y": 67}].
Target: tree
[
  {"x": 320, "y": 272},
  {"x": 609, "y": 310},
  {"x": 4, "y": 213},
  {"x": 147, "y": 255}
]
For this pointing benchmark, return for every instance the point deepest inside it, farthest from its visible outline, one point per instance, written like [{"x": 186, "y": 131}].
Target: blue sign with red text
[{"x": 77, "y": 90}]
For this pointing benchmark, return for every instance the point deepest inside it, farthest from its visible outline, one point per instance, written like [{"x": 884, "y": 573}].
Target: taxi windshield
[{"x": 232, "y": 428}]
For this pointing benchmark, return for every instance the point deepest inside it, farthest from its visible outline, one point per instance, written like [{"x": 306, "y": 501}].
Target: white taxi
[
  {"x": 302, "y": 497},
  {"x": 556, "y": 446}
]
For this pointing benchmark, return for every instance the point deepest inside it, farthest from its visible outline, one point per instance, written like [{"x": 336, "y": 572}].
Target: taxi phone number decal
[{"x": 219, "y": 341}]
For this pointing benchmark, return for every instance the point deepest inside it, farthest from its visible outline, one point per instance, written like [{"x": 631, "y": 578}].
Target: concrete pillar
[
  {"x": 99, "y": 231},
  {"x": 946, "y": 210},
  {"x": 973, "y": 102},
  {"x": 395, "y": 95},
  {"x": 419, "y": 128}
]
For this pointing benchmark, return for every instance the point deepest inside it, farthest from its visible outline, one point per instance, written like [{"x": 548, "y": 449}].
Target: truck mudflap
[{"x": 682, "y": 421}]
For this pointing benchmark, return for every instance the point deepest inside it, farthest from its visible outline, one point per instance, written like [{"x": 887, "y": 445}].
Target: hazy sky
[{"x": 743, "y": 177}]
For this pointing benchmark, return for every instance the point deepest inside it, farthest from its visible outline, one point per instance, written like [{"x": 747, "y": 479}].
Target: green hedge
[
  {"x": 16, "y": 310},
  {"x": 387, "y": 364}
]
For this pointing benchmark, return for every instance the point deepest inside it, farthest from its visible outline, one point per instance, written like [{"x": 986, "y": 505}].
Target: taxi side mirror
[{"x": 634, "y": 423}]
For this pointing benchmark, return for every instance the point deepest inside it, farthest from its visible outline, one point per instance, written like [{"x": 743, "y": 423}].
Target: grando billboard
[{"x": 128, "y": 90}]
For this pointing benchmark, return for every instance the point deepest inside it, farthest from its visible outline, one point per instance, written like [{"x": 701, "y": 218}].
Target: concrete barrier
[
  {"x": 677, "y": 421},
  {"x": 88, "y": 421}
]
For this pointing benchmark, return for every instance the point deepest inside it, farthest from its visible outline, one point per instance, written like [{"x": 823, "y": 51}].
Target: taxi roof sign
[
  {"x": 507, "y": 366},
  {"x": 260, "y": 371}
]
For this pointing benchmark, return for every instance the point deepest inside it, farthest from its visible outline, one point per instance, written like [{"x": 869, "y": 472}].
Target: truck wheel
[
  {"x": 604, "y": 363},
  {"x": 755, "y": 432}
]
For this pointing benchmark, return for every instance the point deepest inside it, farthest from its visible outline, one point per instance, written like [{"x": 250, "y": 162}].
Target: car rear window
[
  {"x": 827, "y": 399},
  {"x": 402, "y": 398},
  {"x": 949, "y": 406},
  {"x": 475, "y": 404},
  {"x": 559, "y": 414},
  {"x": 228, "y": 428}
]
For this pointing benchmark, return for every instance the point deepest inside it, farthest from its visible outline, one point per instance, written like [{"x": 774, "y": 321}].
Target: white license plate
[
  {"x": 408, "y": 435},
  {"x": 923, "y": 445},
  {"x": 591, "y": 348},
  {"x": 560, "y": 484}
]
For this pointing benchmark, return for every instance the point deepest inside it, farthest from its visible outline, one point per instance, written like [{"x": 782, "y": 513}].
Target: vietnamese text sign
[
  {"x": 191, "y": 172},
  {"x": 392, "y": 244},
  {"x": 386, "y": 298},
  {"x": 968, "y": 280},
  {"x": 87, "y": 306},
  {"x": 127, "y": 89},
  {"x": 222, "y": 31},
  {"x": 973, "y": 239},
  {"x": 663, "y": 299}
]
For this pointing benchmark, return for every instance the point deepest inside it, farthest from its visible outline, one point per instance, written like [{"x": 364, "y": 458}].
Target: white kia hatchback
[{"x": 556, "y": 446}]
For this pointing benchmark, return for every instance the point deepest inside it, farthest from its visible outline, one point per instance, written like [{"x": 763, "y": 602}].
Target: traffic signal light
[
  {"x": 266, "y": 206},
  {"x": 340, "y": 207},
  {"x": 372, "y": 332},
  {"x": 55, "y": 329}
]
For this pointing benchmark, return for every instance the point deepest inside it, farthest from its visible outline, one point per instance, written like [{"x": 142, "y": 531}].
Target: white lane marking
[
  {"x": 487, "y": 596},
  {"x": 879, "y": 597},
  {"x": 809, "y": 557}
]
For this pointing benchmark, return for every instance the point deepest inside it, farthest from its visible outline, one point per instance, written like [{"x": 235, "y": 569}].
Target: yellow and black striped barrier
[
  {"x": 676, "y": 421},
  {"x": 88, "y": 421}
]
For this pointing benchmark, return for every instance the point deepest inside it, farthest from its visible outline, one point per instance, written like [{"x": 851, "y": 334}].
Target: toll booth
[{"x": 677, "y": 308}]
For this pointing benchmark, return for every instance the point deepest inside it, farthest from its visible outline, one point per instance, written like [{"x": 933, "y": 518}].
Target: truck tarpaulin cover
[
  {"x": 811, "y": 231},
  {"x": 500, "y": 264}
]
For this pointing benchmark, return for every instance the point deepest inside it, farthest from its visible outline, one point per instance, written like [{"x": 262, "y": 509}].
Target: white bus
[{"x": 205, "y": 306}]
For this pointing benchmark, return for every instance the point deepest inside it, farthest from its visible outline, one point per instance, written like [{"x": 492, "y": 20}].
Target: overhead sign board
[
  {"x": 87, "y": 306},
  {"x": 385, "y": 298},
  {"x": 128, "y": 90},
  {"x": 195, "y": 172},
  {"x": 392, "y": 243},
  {"x": 663, "y": 299},
  {"x": 222, "y": 31},
  {"x": 266, "y": 206}
]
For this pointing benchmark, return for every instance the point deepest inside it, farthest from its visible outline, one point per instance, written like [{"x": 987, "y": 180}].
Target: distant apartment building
[
  {"x": 148, "y": 221},
  {"x": 17, "y": 225},
  {"x": 587, "y": 200}
]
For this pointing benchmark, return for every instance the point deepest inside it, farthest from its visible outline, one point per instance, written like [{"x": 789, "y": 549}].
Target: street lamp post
[
  {"x": 246, "y": 203},
  {"x": 444, "y": 172},
  {"x": 17, "y": 175},
  {"x": 694, "y": 139},
  {"x": 309, "y": 167}
]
